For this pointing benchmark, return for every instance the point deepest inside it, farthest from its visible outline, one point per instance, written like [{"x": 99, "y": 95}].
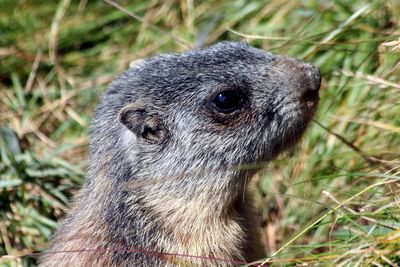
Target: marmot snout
[{"x": 171, "y": 144}]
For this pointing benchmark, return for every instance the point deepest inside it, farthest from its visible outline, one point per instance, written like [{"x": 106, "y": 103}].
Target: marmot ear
[{"x": 145, "y": 124}]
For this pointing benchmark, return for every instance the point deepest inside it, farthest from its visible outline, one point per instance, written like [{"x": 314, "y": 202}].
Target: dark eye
[{"x": 228, "y": 101}]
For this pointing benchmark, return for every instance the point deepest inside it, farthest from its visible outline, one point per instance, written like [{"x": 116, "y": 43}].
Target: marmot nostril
[{"x": 314, "y": 77}]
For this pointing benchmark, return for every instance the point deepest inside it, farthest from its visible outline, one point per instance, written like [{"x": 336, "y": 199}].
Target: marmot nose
[
  {"x": 309, "y": 89},
  {"x": 313, "y": 76}
]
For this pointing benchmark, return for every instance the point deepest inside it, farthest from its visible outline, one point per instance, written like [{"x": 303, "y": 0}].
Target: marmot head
[{"x": 217, "y": 108}]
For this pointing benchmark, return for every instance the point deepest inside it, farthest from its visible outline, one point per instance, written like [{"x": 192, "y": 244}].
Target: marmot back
[{"x": 172, "y": 140}]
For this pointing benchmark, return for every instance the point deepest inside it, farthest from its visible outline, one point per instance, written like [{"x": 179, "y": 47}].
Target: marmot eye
[{"x": 228, "y": 101}]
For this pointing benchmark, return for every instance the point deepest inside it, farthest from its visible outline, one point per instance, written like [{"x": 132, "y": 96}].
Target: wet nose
[
  {"x": 305, "y": 78},
  {"x": 311, "y": 83},
  {"x": 313, "y": 76}
]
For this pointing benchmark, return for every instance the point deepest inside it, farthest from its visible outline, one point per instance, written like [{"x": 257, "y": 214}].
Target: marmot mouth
[
  {"x": 309, "y": 103},
  {"x": 310, "y": 95}
]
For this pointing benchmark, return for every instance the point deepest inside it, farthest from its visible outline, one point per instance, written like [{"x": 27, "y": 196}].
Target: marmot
[{"x": 173, "y": 142}]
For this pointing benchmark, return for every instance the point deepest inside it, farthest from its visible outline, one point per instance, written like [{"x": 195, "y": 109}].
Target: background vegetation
[{"x": 331, "y": 201}]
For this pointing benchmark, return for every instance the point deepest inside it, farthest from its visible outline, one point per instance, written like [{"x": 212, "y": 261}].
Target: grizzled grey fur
[{"x": 167, "y": 170}]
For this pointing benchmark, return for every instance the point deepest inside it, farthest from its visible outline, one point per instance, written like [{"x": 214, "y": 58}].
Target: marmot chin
[{"x": 172, "y": 144}]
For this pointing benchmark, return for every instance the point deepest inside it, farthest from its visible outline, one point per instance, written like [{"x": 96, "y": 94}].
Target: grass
[{"x": 334, "y": 200}]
